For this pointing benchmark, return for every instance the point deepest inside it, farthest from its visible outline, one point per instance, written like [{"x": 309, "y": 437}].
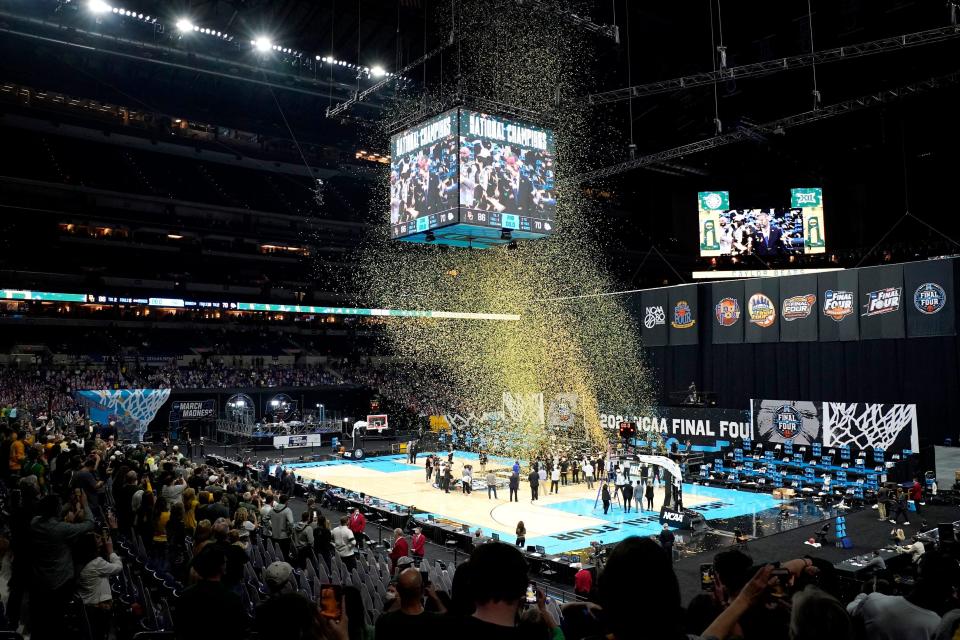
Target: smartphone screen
[
  {"x": 779, "y": 588},
  {"x": 425, "y": 578},
  {"x": 531, "y": 593},
  {"x": 706, "y": 577},
  {"x": 331, "y": 595}
]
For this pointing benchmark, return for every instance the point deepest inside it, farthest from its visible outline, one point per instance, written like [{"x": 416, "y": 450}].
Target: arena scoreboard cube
[{"x": 472, "y": 179}]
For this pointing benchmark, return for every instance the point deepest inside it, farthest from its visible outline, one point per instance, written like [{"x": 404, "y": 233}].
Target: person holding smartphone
[{"x": 412, "y": 620}]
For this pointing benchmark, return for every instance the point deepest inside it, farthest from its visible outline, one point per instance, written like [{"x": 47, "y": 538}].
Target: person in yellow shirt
[
  {"x": 161, "y": 514},
  {"x": 17, "y": 453},
  {"x": 190, "y": 503}
]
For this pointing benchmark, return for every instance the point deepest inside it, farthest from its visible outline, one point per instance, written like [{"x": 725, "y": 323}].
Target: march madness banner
[
  {"x": 192, "y": 410},
  {"x": 704, "y": 428}
]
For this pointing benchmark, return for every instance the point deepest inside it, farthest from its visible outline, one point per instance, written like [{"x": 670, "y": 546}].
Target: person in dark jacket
[
  {"x": 627, "y": 491},
  {"x": 534, "y": 480},
  {"x": 514, "y": 487},
  {"x": 605, "y": 497},
  {"x": 52, "y": 585},
  {"x": 649, "y": 496},
  {"x": 666, "y": 538}
]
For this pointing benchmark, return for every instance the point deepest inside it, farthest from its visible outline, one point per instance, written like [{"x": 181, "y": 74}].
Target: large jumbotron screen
[
  {"x": 465, "y": 176},
  {"x": 771, "y": 231}
]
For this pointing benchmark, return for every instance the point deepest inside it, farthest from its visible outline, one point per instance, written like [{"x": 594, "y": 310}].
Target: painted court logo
[
  {"x": 787, "y": 421},
  {"x": 798, "y": 307},
  {"x": 929, "y": 298},
  {"x": 882, "y": 301},
  {"x": 728, "y": 312},
  {"x": 682, "y": 315},
  {"x": 837, "y": 305},
  {"x": 761, "y": 310},
  {"x": 654, "y": 316}
]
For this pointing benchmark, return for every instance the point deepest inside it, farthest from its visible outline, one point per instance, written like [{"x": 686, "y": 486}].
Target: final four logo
[
  {"x": 929, "y": 298},
  {"x": 654, "y": 316},
  {"x": 882, "y": 301},
  {"x": 837, "y": 304},
  {"x": 728, "y": 312},
  {"x": 761, "y": 310},
  {"x": 798, "y": 307},
  {"x": 682, "y": 315},
  {"x": 787, "y": 421}
]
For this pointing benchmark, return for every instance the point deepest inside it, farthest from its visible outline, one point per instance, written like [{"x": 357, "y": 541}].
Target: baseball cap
[
  {"x": 213, "y": 479},
  {"x": 404, "y": 562},
  {"x": 277, "y": 573}
]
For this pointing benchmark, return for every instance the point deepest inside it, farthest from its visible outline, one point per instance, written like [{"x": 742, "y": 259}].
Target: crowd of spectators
[{"x": 83, "y": 512}]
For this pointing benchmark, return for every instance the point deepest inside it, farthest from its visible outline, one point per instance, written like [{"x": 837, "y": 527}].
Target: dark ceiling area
[{"x": 874, "y": 163}]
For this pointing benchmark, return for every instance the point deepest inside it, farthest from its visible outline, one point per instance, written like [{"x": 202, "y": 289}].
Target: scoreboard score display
[{"x": 472, "y": 179}]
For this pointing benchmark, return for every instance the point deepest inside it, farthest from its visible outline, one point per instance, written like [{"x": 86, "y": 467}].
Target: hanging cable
[
  {"x": 633, "y": 145},
  {"x": 813, "y": 59},
  {"x": 721, "y": 49},
  {"x": 333, "y": 17},
  {"x": 359, "y": 30},
  {"x": 717, "y": 125}
]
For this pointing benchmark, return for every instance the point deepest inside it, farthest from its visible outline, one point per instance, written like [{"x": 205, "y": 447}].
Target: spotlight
[
  {"x": 98, "y": 6},
  {"x": 377, "y": 71},
  {"x": 429, "y": 237},
  {"x": 505, "y": 234},
  {"x": 262, "y": 44},
  {"x": 184, "y": 25}
]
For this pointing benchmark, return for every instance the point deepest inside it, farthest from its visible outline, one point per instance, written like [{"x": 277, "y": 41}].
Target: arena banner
[
  {"x": 839, "y": 300},
  {"x": 654, "y": 314},
  {"x": 704, "y": 428},
  {"x": 777, "y": 421},
  {"x": 892, "y": 427},
  {"x": 132, "y": 410},
  {"x": 192, "y": 410},
  {"x": 928, "y": 291},
  {"x": 882, "y": 303},
  {"x": 798, "y": 309},
  {"x": 563, "y": 410},
  {"x": 682, "y": 314},
  {"x": 727, "y": 307},
  {"x": 761, "y": 313},
  {"x": 294, "y": 442}
]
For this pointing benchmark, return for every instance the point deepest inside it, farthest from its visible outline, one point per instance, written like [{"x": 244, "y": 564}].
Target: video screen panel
[
  {"x": 507, "y": 174},
  {"x": 424, "y": 178},
  {"x": 770, "y": 232}
]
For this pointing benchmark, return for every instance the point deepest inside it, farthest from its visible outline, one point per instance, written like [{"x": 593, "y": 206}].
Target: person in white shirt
[
  {"x": 915, "y": 550},
  {"x": 588, "y": 473},
  {"x": 555, "y": 479},
  {"x": 466, "y": 480},
  {"x": 93, "y": 583},
  {"x": 345, "y": 543}
]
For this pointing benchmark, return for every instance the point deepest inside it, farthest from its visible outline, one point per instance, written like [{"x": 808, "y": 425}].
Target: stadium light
[
  {"x": 262, "y": 44},
  {"x": 184, "y": 25},
  {"x": 98, "y": 6},
  {"x": 377, "y": 71}
]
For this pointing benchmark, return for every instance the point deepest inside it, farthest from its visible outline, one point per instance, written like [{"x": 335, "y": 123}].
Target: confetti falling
[{"x": 534, "y": 62}]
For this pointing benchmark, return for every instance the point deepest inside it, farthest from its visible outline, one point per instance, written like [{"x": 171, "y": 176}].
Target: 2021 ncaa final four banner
[{"x": 703, "y": 428}]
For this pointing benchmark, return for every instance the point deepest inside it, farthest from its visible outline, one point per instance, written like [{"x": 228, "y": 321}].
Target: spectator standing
[
  {"x": 555, "y": 480},
  {"x": 281, "y": 525},
  {"x": 286, "y": 613},
  {"x": 345, "y": 543},
  {"x": 358, "y": 524},
  {"x": 627, "y": 491},
  {"x": 588, "y": 473},
  {"x": 99, "y": 564},
  {"x": 323, "y": 539},
  {"x": 418, "y": 544},
  {"x": 412, "y": 620},
  {"x": 401, "y": 549},
  {"x": 491, "y": 484},
  {"x": 497, "y": 583},
  {"x": 648, "y": 492},
  {"x": 52, "y": 586},
  {"x": 199, "y": 602},
  {"x": 303, "y": 539}
]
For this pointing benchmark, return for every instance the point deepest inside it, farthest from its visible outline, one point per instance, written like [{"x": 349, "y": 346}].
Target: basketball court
[{"x": 564, "y": 521}]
